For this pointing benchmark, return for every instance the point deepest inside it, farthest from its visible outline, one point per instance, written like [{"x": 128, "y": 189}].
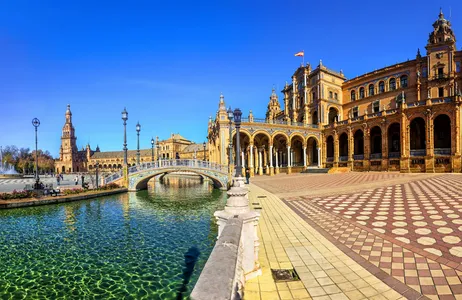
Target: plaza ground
[
  {"x": 8, "y": 185},
  {"x": 359, "y": 236}
]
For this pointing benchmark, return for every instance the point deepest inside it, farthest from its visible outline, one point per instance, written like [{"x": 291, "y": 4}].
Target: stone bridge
[{"x": 139, "y": 175}]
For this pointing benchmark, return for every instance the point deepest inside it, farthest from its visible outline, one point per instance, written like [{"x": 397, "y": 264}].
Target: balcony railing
[
  {"x": 376, "y": 155},
  {"x": 419, "y": 152},
  {"x": 358, "y": 157},
  {"x": 330, "y": 159},
  {"x": 442, "y": 151},
  {"x": 394, "y": 154},
  {"x": 343, "y": 158},
  {"x": 442, "y": 100},
  {"x": 440, "y": 76},
  {"x": 282, "y": 122}
]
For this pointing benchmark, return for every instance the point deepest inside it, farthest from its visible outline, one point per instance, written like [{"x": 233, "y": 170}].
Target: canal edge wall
[
  {"x": 223, "y": 276},
  {"x": 7, "y": 204}
]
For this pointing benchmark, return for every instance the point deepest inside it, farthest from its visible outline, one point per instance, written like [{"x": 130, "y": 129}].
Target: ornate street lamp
[
  {"x": 138, "y": 129},
  {"x": 125, "y": 118},
  {"x": 237, "y": 123},
  {"x": 97, "y": 166},
  {"x": 152, "y": 149},
  {"x": 230, "y": 118},
  {"x": 36, "y": 124},
  {"x": 204, "y": 149},
  {"x": 158, "y": 147}
]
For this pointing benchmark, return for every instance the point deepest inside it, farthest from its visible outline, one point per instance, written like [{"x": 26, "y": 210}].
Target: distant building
[
  {"x": 73, "y": 160},
  {"x": 406, "y": 117}
]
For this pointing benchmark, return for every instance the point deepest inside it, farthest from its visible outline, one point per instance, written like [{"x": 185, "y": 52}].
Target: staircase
[{"x": 316, "y": 170}]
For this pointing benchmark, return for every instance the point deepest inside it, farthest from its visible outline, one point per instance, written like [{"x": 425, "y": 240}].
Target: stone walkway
[
  {"x": 404, "y": 229},
  {"x": 287, "y": 241}
]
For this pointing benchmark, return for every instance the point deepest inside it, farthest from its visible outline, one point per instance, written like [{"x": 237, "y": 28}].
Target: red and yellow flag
[{"x": 301, "y": 53}]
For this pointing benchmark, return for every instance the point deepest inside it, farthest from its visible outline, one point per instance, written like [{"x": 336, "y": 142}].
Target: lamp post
[
  {"x": 158, "y": 147},
  {"x": 125, "y": 118},
  {"x": 230, "y": 118},
  {"x": 36, "y": 124},
  {"x": 152, "y": 149},
  {"x": 237, "y": 123},
  {"x": 97, "y": 181},
  {"x": 138, "y": 129},
  {"x": 204, "y": 149}
]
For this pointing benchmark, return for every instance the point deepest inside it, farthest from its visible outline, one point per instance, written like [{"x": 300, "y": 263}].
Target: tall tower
[
  {"x": 440, "y": 59},
  {"x": 68, "y": 154}
]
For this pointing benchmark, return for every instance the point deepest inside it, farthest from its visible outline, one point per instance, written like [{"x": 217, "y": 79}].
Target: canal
[{"x": 128, "y": 246}]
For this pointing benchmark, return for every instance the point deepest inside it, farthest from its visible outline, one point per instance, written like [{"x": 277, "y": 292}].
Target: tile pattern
[
  {"x": 326, "y": 272},
  {"x": 305, "y": 182},
  {"x": 395, "y": 242},
  {"x": 425, "y": 214}
]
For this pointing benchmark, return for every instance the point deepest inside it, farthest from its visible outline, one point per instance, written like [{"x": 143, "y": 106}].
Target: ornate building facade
[
  {"x": 402, "y": 117},
  {"x": 72, "y": 160}
]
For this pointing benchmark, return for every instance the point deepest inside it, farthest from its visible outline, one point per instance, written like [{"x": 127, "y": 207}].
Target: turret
[{"x": 273, "y": 106}]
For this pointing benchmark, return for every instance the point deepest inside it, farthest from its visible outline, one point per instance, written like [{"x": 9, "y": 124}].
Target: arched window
[
  {"x": 361, "y": 93},
  {"x": 331, "y": 95},
  {"x": 353, "y": 95},
  {"x": 371, "y": 90},
  {"x": 381, "y": 87},
  {"x": 403, "y": 81},
  {"x": 392, "y": 84}
]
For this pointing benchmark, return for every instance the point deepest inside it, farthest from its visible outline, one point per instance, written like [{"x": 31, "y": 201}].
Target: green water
[{"x": 128, "y": 246}]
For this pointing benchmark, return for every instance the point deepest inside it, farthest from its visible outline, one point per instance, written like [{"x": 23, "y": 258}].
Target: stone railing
[
  {"x": 280, "y": 122},
  {"x": 442, "y": 151},
  {"x": 222, "y": 276},
  {"x": 419, "y": 152},
  {"x": 234, "y": 259},
  {"x": 376, "y": 155}
]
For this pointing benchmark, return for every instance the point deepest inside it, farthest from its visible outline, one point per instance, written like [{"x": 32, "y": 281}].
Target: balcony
[
  {"x": 376, "y": 155},
  {"x": 442, "y": 151},
  {"x": 394, "y": 154},
  {"x": 419, "y": 152},
  {"x": 440, "y": 77}
]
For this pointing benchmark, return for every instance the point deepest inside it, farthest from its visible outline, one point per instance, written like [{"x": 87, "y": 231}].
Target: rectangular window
[
  {"x": 355, "y": 112},
  {"x": 440, "y": 73},
  {"x": 458, "y": 66},
  {"x": 330, "y": 95},
  {"x": 424, "y": 72},
  {"x": 440, "y": 92},
  {"x": 335, "y": 96},
  {"x": 376, "y": 106}
]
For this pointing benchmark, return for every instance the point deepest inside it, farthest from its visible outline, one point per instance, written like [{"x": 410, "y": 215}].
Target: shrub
[{"x": 17, "y": 195}]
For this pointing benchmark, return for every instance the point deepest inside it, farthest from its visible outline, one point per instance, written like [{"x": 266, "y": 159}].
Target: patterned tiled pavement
[{"x": 409, "y": 227}]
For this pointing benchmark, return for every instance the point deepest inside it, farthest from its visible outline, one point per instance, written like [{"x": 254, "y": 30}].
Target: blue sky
[{"x": 168, "y": 61}]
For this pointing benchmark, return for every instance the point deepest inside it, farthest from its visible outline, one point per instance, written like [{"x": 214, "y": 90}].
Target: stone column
[
  {"x": 251, "y": 160},
  {"x": 243, "y": 161},
  {"x": 289, "y": 163},
  {"x": 319, "y": 157},
  {"x": 367, "y": 149},
  {"x": 336, "y": 150},
  {"x": 277, "y": 162},
  {"x": 404, "y": 127},
  {"x": 304, "y": 156},
  {"x": 351, "y": 145},
  {"x": 456, "y": 157},
  {"x": 256, "y": 159},
  {"x": 260, "y": 162},
  {"x": 271, "y": 160},
  {"x": 430, "y": 156},
  {"x": 384, "y": 148}
]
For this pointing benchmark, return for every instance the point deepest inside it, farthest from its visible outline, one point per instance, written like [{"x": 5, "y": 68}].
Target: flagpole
[{"x": 303, "y": 58}]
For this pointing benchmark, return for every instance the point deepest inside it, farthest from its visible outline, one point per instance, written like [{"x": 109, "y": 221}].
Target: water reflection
[{"x": 128, "y": 245}]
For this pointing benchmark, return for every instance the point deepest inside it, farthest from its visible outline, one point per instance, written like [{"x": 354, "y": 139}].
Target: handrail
[{"x": 189, "y": 163}]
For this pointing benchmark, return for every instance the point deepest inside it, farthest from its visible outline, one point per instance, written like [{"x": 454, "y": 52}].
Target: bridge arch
[{"x": 140, "y": 182}]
